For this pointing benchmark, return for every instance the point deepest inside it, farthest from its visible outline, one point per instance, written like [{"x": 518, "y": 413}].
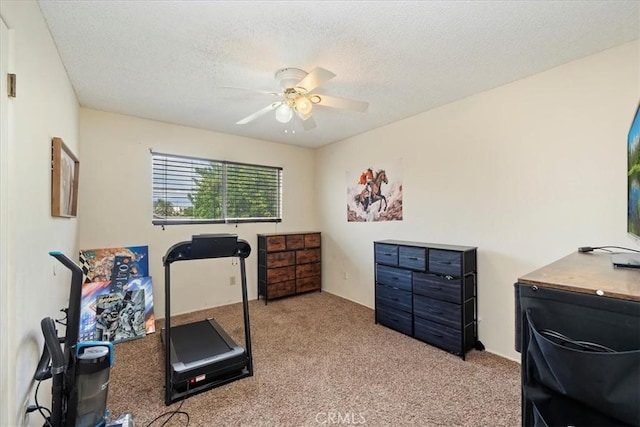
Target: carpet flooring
[{"x": 320, "y": 360}]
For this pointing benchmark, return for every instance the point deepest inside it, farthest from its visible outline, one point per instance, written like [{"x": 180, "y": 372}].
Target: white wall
[
  {"x": 115, "y": 206},
  {"x": 45, "y": 107},
  {"x": 526, "y": 172}
]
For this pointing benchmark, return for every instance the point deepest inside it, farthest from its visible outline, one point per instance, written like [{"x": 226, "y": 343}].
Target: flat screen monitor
[
  {"x": 633, "y": 178},
  {"x": 633, "y": 193}
]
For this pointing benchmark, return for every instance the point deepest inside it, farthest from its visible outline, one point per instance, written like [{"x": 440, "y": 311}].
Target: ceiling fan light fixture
[
  {"x": 303, "y": 105},
  {"x": 284, "y": 114},
  {"x": 297, "y": 98}
]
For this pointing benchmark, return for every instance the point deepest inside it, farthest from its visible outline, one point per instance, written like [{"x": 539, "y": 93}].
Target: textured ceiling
[{"x": 169, "y": 60}]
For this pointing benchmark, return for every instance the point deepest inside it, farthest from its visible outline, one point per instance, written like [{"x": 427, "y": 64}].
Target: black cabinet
[
  {"x": 428, "y": 291},
  {"x": 578, "y": 331}
]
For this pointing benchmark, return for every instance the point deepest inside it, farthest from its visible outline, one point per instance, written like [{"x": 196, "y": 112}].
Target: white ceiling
[{"x": 168, "y": 60}]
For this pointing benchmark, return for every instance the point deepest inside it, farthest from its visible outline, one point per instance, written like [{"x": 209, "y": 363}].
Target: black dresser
[{"x": 428, "y": 291}]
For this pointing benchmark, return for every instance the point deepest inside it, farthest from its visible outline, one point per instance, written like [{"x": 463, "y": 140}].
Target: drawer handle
[
  {"x": 436, "y": 288},
  {"x": 437, "y": 335},
  {"x": 413, "y": 258},
  {"x": 387, "y": 254},
  {"x": 435, "y": 311},
  {"x": 394, "y": 299}
]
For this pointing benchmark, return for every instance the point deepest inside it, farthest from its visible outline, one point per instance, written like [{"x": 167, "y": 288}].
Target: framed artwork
[{"x": 65, "y": 169}]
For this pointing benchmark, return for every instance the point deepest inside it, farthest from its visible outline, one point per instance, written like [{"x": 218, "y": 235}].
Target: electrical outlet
[
  {"x": 345, "y": 276},
  {"x": 232, "y": 280}
]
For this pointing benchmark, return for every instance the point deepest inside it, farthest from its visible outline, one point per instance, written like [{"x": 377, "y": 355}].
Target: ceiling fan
[{"x": 297, "y": 97}]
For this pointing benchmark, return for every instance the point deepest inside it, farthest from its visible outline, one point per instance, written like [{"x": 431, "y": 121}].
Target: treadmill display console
[
  {"x": 204, "y": 246},
  {"x": 213, "y": 245}
]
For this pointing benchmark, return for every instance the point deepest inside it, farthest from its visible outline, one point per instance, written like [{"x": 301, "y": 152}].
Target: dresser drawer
[
  {"x": 386, "y": 254},
  {"x": 439, "y": 335},
  {"x": 445, "y": 262},
  {"x": 308, "y": 284},
  {"x": 312, "y": 240},
  {"x": 393, "y": 276},
  {"x": 395, "y": 298},
  {"x": 306, "y": 256},
  {"x": 276, "y": 243},
  {"x": 413, "y": 258},
  {"x": 280, "y": 259},
  {"x": 436, "y": 310},
  {"x": 307, "y": 270},
  {"x": 295, "y": 241},
  {"x": 281, "y": 289},
  {"x": 395, "y": 319},
  {"x": 282, "y": 274},
  {"x": 437, "y": 287}
]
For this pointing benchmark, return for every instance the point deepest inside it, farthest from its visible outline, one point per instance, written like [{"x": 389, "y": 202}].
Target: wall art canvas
[
  {"x": 108, "y": 315},
  {"x": 374, "y": 192},
  {"x": 97, "y": 264},
  {"x": 117, "y": 294},
  {"x": 119, "y": 316}
]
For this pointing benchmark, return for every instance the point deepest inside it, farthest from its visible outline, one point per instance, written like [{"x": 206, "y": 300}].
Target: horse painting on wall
[{"x": 375, "y": 193}]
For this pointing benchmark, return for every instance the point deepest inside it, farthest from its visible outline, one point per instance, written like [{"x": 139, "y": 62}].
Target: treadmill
[{"x": 201, "y": 355}]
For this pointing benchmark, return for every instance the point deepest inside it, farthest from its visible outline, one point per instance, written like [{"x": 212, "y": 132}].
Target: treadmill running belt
[{"x": 197, "y": 341}]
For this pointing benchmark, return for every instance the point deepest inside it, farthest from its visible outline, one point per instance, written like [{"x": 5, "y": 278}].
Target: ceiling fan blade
[
  {"x": 266, "y": 92},
  {"x": 315, "y": 78},
  {"x": 259, "y": 113},
  {"x": 343, "y": 103},
  {"x": 309, "y": 123}
]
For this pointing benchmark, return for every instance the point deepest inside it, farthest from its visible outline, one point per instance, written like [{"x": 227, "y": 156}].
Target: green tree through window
[
  {"x": 206, "y": 201},
  {"x": 162, "y": 208}
]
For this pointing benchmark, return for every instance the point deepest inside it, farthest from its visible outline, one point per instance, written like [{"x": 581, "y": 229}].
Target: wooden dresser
[
  {"x": 578, "y": 332},
  {"x": 288, "y": 264}
]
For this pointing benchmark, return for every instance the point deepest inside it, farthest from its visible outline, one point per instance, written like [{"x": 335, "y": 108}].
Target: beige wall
[
  {"x": 45, "y": 107},
  {"x": 115, "y": 205},
  {"x": 526, "y": 172}
]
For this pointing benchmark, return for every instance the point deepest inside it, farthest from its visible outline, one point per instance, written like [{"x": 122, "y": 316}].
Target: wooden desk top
[{"x": 587, "y": 273}]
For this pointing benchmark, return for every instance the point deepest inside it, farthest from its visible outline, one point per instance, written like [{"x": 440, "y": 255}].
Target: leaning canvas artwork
[
  {"x": 117, "y": 296},
  {"x": 375, "y": 193}
]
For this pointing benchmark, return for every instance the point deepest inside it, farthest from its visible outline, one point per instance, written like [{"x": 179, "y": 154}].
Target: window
[{"x": 189, "y": 190}]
